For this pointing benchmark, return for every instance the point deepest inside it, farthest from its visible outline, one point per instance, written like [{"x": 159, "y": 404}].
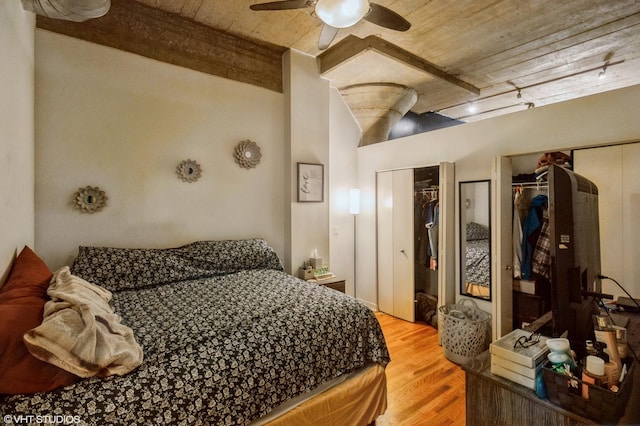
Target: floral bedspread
[
  {"x": 219, "y": 350},
  {"x": 478, "y": 262}
]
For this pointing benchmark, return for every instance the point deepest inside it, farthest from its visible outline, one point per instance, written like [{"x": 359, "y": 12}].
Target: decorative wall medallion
[
  {"x": 189, "y": 171},
  {"x": 89, "y": 199},
  {"x": 247, "y": 154}
]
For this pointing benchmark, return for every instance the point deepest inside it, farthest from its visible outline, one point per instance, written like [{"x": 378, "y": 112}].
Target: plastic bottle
[{"x": 541, "y": 388}]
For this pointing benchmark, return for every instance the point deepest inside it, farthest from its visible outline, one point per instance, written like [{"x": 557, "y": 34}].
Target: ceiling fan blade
[
  {"x": 282, "y": 5},
  {"x": 327, "y": 35},
  {"x": 387, "y": 18}
]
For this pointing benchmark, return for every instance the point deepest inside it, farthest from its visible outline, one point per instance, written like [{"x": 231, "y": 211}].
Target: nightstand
[{"x": 334, "y": 283}]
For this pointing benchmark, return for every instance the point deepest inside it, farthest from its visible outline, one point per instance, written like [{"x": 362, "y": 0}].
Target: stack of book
[{"x": 518, "y": 364}]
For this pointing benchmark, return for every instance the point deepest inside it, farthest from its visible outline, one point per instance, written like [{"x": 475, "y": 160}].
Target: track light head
[{"x": 602, "y": 73}]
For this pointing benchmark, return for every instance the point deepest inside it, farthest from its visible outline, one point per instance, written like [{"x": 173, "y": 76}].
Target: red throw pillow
[{"x": 22, "y": 300}]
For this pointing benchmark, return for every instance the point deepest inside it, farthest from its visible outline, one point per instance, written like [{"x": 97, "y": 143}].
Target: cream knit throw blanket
[{"x": 80, "y": 332}]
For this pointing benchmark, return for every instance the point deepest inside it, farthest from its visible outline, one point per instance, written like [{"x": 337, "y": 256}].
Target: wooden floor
[{"x": 424, "y": 387}]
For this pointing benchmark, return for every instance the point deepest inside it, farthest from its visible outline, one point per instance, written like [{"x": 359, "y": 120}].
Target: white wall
[
  {"x": 344, "y": 139},
  {"x": 475, "y": 200},
  {"x": 319, "y": 129},
  {"x": 123, "y": 122},
  {"x": 596, "y": 120},
  {"x": 307, "y": 128},
  {"x": 16, "y": 133}
]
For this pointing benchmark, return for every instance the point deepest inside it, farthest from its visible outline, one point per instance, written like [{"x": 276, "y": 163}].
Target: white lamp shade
[
  {"x": 354, "y": 201},
  {"x": 341, "y": 13}
]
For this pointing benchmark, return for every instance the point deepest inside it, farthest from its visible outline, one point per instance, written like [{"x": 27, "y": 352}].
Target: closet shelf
[{"x": 530, "y": 184}]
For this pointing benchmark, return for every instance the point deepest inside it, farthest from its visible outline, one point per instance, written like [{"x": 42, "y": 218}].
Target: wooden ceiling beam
[
  {"x": 168, "y": 37},
  {"x": 351, "y": 46}
]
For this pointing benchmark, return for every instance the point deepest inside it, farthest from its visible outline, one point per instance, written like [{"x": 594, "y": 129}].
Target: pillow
[
  {"x": 475, "y": 231},
  {"x": 119, "y": 269},
  {"x": 22, "y": 300},
  {"x": 233, "y": 255}
]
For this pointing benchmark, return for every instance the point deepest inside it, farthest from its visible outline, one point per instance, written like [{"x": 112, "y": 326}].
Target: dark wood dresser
[{"x": 493, "y": 400}]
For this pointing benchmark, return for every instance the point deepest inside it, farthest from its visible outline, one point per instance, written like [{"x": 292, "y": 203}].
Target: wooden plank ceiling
[{"x": 497, "y": 56}]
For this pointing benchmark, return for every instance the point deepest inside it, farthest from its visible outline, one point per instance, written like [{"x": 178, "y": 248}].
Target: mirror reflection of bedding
[
  {"x": 478, "y": 258},
  {"x": 475, "y": 239},
  {"x": 228, "y": 338}
]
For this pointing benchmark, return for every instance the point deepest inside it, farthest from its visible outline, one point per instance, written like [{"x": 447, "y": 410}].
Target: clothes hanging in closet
[
  {"x": 422, "y": 236},
  {"x": 541, "y": 258},
  {"x": 426, "y": 215},
  {"x": 518, "y": 203},
  {"x": 432, "y": 230},
  {"x": 531, "y": 232}
]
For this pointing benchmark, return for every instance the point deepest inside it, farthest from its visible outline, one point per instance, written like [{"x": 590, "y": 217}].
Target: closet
[
  {"x": 614, "y": 170},
  {"x": 531, "y": 287},
  {"x": 504, "y": 315},
  {"x": 415, "y": 241},
  {"x": 426, "y": 227},
  {"x": 521, "y": 201}
]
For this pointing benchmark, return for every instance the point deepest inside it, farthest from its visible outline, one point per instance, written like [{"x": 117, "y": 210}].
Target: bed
[
  {"x": 478, "y": 258},
  {"x": 228, "y": 339}
]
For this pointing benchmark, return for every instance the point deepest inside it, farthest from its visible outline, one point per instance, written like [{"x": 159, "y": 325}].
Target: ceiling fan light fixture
[{"x": 341, "y": 13}]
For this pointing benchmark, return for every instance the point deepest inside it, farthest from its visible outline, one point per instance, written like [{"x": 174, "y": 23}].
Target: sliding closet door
[
  {"x": 396, "y": 292},
  {"x": 403, "y": 256},
  {"x": 384, "y": 200},
  {"x": 615, "y": 172}
]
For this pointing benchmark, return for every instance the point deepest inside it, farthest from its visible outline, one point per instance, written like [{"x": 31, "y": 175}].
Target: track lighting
[{"x": 470, "y": 109}]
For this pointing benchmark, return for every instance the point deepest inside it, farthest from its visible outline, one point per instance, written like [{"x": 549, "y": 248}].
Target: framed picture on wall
[{"x": 310, "y": 183}]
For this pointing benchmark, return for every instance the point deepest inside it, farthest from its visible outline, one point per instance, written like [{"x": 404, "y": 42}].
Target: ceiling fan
[
  {"x": 68, "y": 10},
  {"x": 336, "y": 14}
]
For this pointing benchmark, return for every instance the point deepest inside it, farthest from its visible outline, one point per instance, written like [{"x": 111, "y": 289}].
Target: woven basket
[
  {"x": 464, "y": 330},
  {"x": 603, "y": 406}
]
